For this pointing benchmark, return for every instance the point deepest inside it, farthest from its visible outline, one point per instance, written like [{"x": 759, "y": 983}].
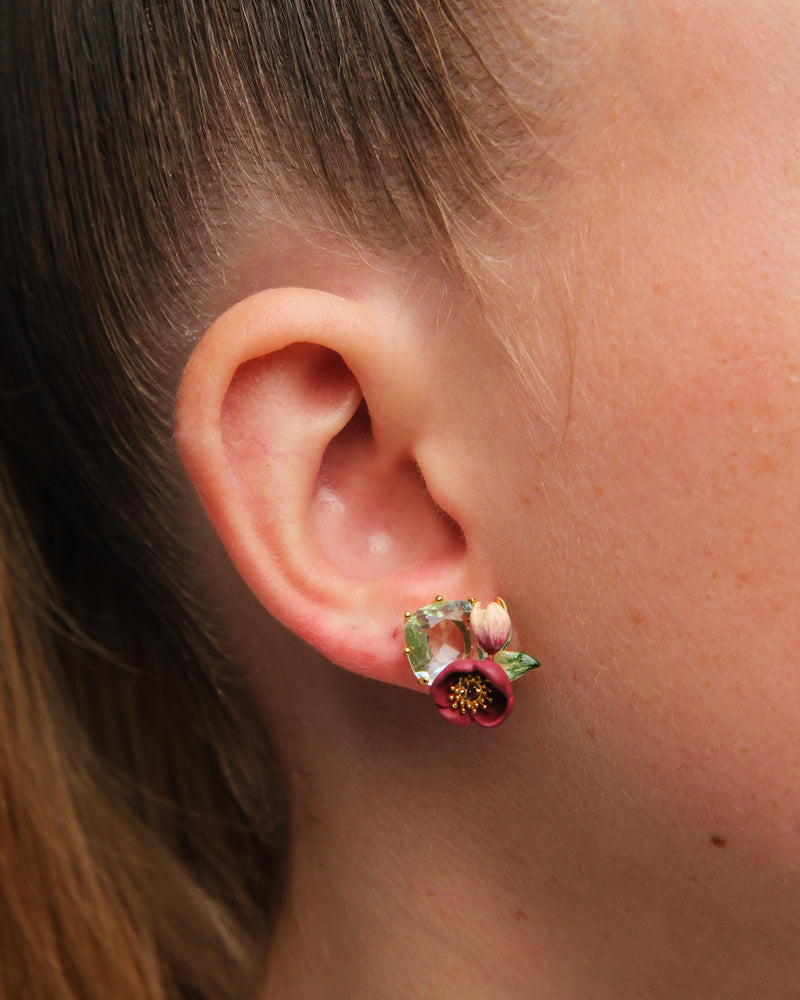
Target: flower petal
[
  {"x": 440, "y": 688},
  {"x": 456, "y": 718},
  {"x": 494, "y": 713},
  {"x": 495, "y": 675}
]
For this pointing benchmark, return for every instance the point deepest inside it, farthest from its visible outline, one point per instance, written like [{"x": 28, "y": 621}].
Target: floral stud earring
[{"x": 459, "y": 650}]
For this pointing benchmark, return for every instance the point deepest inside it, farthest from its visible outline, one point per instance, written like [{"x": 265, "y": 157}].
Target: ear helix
[{"x": 459, "y": 649}]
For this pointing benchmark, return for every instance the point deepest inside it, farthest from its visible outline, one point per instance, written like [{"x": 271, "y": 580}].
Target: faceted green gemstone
[{"x": 436, "y": 635}]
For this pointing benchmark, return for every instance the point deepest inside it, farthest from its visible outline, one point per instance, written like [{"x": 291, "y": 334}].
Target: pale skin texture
[{"x": 633, "y": 831}]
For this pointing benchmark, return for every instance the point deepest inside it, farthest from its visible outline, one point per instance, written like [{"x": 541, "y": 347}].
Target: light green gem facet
[{"x": 436, "y": 635}]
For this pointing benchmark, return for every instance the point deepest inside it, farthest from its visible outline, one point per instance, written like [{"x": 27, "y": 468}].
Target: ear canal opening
[{"x": 372, "y": 514}]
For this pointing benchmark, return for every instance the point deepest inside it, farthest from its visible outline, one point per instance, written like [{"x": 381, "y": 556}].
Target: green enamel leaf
[{"x": 516, "y": 664}]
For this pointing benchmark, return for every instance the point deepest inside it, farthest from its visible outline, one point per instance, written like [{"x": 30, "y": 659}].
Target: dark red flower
[{"x": 468, "y": 691}]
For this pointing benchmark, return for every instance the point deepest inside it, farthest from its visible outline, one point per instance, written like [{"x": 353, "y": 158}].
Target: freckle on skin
[{"x": 719, "y": 841}]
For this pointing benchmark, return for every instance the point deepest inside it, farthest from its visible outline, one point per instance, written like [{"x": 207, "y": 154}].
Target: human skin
[
  {"x": 634, "y": 829},
  {"x": 665, "y": 534}
]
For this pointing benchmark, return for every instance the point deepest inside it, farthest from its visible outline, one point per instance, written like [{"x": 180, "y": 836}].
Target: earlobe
[{"x": 313, "y": 490}]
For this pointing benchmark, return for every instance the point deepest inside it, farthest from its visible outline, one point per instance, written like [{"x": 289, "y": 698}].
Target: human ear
[{"x": 301, "y": 422}]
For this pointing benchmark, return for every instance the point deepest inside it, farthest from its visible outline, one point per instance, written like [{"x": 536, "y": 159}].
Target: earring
[{"x": 459, "y": 650}]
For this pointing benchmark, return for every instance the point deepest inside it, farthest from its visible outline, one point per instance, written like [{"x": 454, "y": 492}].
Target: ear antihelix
[{"x": 278, "y": 416}]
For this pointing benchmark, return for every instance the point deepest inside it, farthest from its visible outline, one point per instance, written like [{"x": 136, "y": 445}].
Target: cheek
[
  {"x": 660, "y": 579},
  {"x": 685, "y": 551},
  {"x": 692, "y": 478},
  {"x": 653, "y": 549},
  {"x": 685, "y": 437},
  {"x": 664, "y": 534}
]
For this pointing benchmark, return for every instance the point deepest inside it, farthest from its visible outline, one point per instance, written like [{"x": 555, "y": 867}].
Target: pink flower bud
[{"x": 491, "y": 626}]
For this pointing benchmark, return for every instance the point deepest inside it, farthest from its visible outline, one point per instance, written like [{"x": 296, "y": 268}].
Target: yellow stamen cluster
[{"x": 470, "y": 693}]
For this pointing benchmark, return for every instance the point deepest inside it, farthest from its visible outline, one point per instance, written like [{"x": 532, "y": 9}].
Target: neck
[
  {"x": 395, "y": 891},
  {"x": 438, "y": 862}
]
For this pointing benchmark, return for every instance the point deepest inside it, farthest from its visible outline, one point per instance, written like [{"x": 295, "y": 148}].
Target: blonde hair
[{"x": 142, "y": 836}]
